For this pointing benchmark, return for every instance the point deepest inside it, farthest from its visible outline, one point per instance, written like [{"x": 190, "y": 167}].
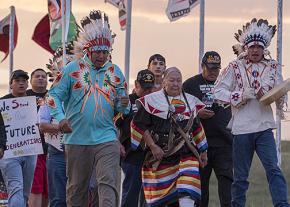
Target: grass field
[{"x": 258, "y": 194}]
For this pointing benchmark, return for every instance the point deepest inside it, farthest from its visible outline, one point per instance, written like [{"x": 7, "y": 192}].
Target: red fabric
[
  {"x": 4, "y": 35},
  {"x": 41, "y": 34},
  {"x": 40, "y": 185}
]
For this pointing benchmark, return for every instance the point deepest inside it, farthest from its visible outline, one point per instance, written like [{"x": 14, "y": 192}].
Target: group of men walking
[{"x": 169, "y": 134}]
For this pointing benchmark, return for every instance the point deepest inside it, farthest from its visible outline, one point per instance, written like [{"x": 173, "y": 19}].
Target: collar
[
  {"x": 103, "y": 68},
  {"x": 248, "y": 63}
]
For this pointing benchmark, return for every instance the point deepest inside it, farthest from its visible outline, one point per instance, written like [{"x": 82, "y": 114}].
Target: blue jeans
[
  {"x": 56, "y": 167},
  {"x": 132, "y": 184},
  {"x": 18, "y": 177},
  {"x": 244, "y": 146}
]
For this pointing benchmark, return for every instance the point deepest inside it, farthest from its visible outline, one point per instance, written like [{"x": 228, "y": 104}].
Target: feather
[{"x": 238, "y": 49}]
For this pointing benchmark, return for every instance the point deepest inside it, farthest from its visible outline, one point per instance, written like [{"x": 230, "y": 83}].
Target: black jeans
[{"x": 219, "y": 160}]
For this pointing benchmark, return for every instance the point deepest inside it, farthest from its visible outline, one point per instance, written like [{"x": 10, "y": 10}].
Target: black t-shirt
[
  {"x": 8, "y": 96},
  {"x": 215, "y": 128},
  {"x": 39, "y": 96},
  {"x": 137, "y": 156}
]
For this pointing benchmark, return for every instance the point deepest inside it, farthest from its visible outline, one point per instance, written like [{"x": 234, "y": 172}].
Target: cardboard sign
[{"x": 20, "y": 119}]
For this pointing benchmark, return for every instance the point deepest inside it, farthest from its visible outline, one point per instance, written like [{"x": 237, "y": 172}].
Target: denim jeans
[
  {"x": 132, "y": 184},
  {"x": 18, "y": 176},
  {"x": 56, "y": 167},
  {"x": 244, "y": 146}
]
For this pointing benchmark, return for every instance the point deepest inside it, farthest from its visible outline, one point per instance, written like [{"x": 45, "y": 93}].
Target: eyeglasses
[{"x": 105, "y": 52}]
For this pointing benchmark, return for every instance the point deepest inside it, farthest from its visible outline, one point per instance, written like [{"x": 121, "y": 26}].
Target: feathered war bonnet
[
  {"x": 254, "y": 33},
  {"x": 95, "y": 34},
  {"x": 55, "y": 63}
]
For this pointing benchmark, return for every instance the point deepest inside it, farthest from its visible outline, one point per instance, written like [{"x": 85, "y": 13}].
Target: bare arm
[{"x": 49, "y": 128}]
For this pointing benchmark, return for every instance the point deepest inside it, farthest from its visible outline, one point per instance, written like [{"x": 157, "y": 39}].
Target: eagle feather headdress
[
  {"x": 55, "y": 63},
  {"x": 254, "y": 33},
  {"x": 95, "y": 35}
]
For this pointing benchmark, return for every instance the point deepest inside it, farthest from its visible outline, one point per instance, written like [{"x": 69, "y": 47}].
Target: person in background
[
  {"x": 3, "y": 137},
  {"x": 39, "y": 190},
  {"x": 157, "y": 66},
  {"x": 18, "y": 172},
  {"x": 133, "y": 160},
  {"x": 3, "y": 140},
  {"x": 214, "y": 119},
  {"x": 56, "y": 165}
]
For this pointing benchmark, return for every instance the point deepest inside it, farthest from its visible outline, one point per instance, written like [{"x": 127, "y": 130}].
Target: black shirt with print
[
  {"x": 215, "y": 128},
  {"x": 39, "y": 96},
  {"x": 135, "y": 157}
]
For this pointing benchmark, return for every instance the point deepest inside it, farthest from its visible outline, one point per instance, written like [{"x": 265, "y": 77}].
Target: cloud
[{"x": 154, "y": 10}]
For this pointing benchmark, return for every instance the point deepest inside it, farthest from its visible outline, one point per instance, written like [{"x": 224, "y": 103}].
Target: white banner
[
  {"x": 20, "y": 119},
  {"x": 179, "y": 8},
  {"x": 56, "y": 140}
]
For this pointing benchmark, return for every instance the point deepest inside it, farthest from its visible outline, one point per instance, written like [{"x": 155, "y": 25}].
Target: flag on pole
[
  {"x": 4, "y": 35},
  {"x": 41, "y": 34},
  {"x": 54, "y": 13},
  {"x": 179, "y": 8},
  {"x": 120, "y": 4},
  {"x": 48, "y": 32}
]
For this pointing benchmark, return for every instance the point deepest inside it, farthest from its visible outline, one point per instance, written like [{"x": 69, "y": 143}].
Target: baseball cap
[
  {"x": 212, "y": 60},
  {"x": 146, "y": 78},
  {"x": 17, "y": 74}
]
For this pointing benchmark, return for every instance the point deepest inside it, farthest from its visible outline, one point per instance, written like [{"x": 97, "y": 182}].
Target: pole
[
  {"x": 201, "y": 32},
  {"x": 11, "y": 41},
  {"x": 279, "y": 59},
  {"x": 128, "y": 41},
  {"x": 63, "y": 32}
]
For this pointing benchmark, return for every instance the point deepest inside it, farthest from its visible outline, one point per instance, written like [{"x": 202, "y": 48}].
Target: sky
[{"x": 152, "y": 33}]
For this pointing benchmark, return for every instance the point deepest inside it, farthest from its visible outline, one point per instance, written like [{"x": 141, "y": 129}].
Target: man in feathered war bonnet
[
  {"x": 242, "y": 84},
  {"x": 91, "y": 89}
]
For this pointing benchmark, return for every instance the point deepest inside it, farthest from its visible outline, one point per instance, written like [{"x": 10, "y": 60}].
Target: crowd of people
[{"x": 167, "y": 136}]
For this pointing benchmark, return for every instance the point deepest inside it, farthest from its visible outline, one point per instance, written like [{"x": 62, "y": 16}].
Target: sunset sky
[{"x": 152, "y": 32}]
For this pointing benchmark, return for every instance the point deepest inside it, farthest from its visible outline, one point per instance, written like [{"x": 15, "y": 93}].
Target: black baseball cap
[
  {"x": 212, "y": 60},
  {"x": 146, "y": 78},
  {"x": 17, "y": 74}
]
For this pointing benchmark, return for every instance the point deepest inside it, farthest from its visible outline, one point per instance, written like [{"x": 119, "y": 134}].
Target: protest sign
[{"x": 20, "y": 120}]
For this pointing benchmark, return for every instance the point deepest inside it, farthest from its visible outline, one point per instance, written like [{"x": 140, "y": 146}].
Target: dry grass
[{"x": 258, "y": 194}]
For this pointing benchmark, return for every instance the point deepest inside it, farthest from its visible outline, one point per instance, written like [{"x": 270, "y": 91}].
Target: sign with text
[
  {"x": 20, "y": 119},
  {"x": 56, "y": 139}
]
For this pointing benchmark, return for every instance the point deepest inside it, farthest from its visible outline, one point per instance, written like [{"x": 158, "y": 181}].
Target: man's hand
[
  {"x": 124, "y": 101},
  {"x": 203, "y": 158},
  {"x": 248, "y": 94},
  {"x": 65, "y": 127},
  {"x": 122, "y": 150},
  {"x": 1, "y": 153},
  {"x": 157, "y": 152},
  {"x": 205, "y": 114}
]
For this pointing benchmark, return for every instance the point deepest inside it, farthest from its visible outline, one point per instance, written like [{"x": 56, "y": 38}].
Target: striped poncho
[{"x": 177, "y": 175}]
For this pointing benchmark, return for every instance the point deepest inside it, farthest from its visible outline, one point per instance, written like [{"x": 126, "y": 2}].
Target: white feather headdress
[
  {"x": 55, "y": 63},
  {"x": 256, "y": 33},
  {"x": 96, "y": 34}
]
